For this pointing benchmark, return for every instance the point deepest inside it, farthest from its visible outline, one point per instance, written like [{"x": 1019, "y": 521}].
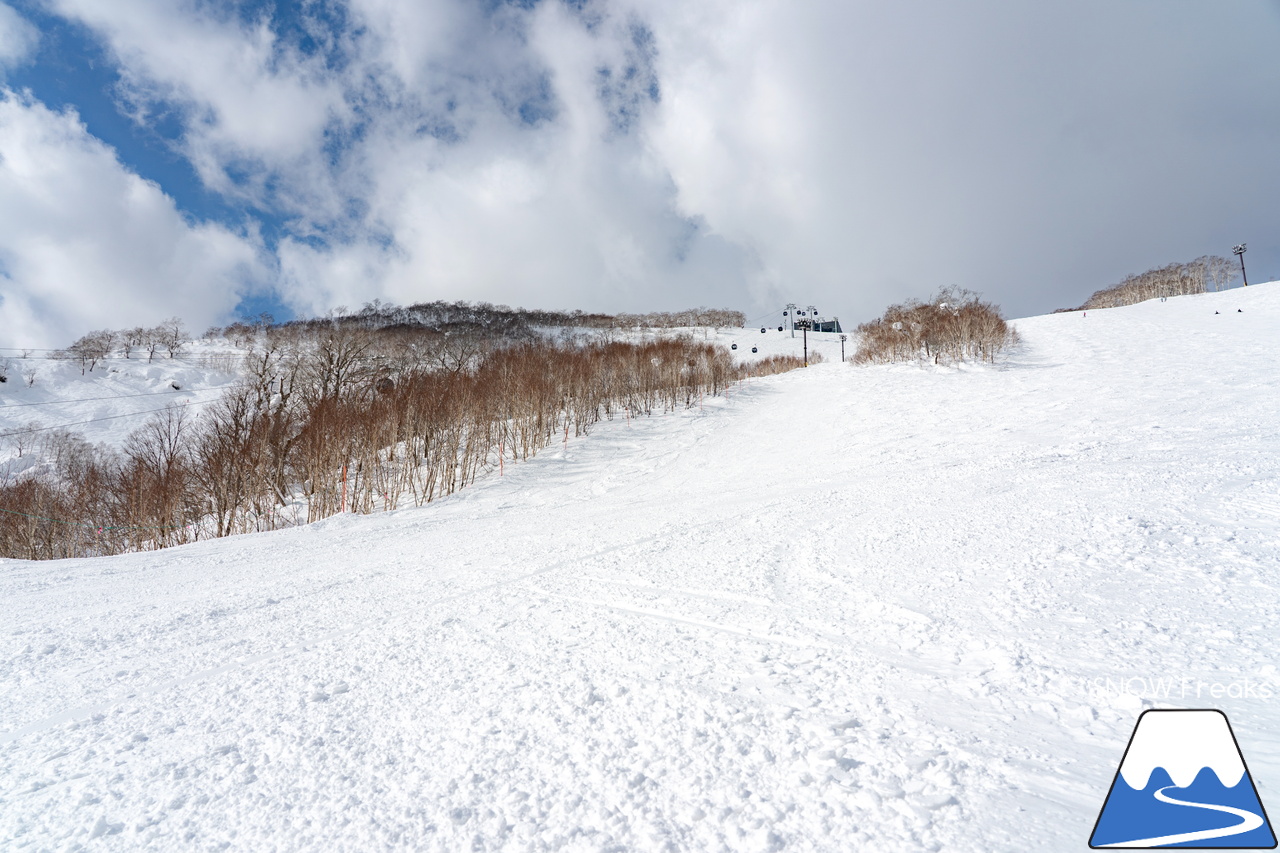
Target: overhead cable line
[
  {"x": 772, "y": 313},
  {"x": 94, "y": 399},
  {"x": 95, "y": 420},
  {"x": 141, "y": 358}
]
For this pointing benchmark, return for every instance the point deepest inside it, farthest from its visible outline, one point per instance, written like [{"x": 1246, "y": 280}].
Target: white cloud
[
  {"x": 253, "y": 108},
  {"x": 848, "y": 154},
  {"x": 868, "y": 152},
  {"x": 481, "y": 162},
  {"x": 18, "y": 38},
  {"x": 87, "y": 244},
  {"x": 567, "y": 211}
]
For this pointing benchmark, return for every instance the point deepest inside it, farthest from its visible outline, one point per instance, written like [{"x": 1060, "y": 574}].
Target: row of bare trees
[
  {"x": 488, "y": 320},
  {"x": 319, "y": 425},
  {"x": 955, "y": 325},
  {"x": 72, "y": 483},
  {"x": 102, "y": 344},
  {"x": 704, "y": 317},
  {"x": 1206, "y": 273}
]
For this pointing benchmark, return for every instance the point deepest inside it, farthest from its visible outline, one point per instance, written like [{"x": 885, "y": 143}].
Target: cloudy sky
[{"x": 215, "y": 158}]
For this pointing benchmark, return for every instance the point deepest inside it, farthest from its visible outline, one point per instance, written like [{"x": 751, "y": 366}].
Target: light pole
[
  {"x": 1239, "y": 252},
  {"x": 804, "y": 328},
  {"x": 843, "y": 338}
]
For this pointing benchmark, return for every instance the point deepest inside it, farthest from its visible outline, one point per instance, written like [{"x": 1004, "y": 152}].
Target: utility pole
[
  {"x": 843, "y": 338},
  {"x": 1239, "y": 252},
  {"x": 791, "y": 317}
]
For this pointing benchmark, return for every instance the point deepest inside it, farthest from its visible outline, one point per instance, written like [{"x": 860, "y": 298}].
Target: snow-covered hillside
[
  {"x": 886, "y": 608},
  {"x": 108, "y": 402}
]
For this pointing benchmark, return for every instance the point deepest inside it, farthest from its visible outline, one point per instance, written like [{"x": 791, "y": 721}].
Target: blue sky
[
  {"x": 216, "y": 159},
  {"x": 71, "y": 70}
]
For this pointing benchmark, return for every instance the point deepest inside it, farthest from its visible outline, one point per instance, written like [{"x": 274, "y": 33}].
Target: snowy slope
[
  {"x": 888, "y": 608},
  {"x": 107, "y": 403}
]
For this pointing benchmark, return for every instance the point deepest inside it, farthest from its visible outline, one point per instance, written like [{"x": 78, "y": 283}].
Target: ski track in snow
[{"x": 846, "y": 608}]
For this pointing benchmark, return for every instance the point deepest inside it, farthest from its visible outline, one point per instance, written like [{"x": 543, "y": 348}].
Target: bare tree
[
  {"x": 224, "y": 458},
  {"x": 131, "y": 338},
  {"x": 459, "y": 350},
  {"x": 92, "y": 348},
  {"x": 156, "y": 479},
  {"x": 172, "y": 335},
  {"x": 25, "y": 437},
  {"x": 336, "y": 361},
  {"x": 153, "y": 342},
  {"x": 1219, "y": 271}
]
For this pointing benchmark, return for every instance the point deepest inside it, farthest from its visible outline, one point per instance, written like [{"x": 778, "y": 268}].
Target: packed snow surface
[{"x": 876, "y": 608}]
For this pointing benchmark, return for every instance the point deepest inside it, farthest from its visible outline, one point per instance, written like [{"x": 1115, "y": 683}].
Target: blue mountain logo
[{"x": 1183, "y": 783}]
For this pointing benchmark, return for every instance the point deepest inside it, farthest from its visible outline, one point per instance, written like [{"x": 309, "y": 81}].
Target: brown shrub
[{"x": 954, "y": 326}]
